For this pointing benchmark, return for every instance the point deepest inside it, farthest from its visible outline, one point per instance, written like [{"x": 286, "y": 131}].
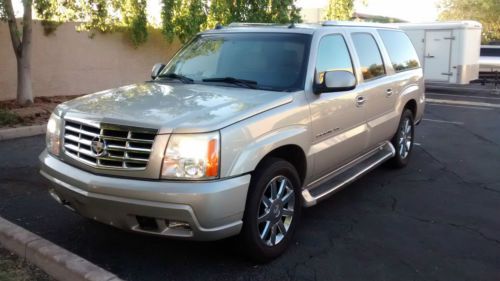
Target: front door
[
  {"x": 437, "y": 55},
  {"x": 338, "y": 122}
]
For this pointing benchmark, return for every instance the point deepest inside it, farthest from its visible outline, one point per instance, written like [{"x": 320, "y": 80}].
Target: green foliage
[
  {"x": 284, "y": 11},
  {"x": 102, "y": 16},
  {"x": 189, "y": 19},
  {"x": 339, "y": 10},
  {"x": 180, "y": 18},
  {"x": 8, "y": 118},
  {"x": 3, "y": 14},
  {"x": 220, "y": 12},
  {"x": 485, "y": 11},
  {"x": 185, "y": 18},
  {"x": 134, "y": 17},
  {"x": 99, "y": 13},
  {"x": 167, "y": 16}
]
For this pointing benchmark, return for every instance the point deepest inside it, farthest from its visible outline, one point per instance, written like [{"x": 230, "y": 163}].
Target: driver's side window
[{"x": 332, "y": 55}]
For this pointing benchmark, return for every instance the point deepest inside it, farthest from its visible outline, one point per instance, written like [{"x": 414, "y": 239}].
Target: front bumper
[{"x": 213, "y": 209}]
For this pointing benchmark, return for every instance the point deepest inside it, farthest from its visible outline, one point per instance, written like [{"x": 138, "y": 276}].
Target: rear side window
[
  {"x": 332, "y": 55},
  {"x": 401, "y": 51},
  {"x": 368, "y": 52}
]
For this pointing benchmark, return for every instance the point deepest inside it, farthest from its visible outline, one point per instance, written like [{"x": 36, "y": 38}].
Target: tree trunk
[
  {"x": 22, "y": 49},
  {"x": 24, "y": 87}
]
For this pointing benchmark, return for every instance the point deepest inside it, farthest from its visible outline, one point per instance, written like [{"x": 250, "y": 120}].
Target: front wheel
[
  {"x": 272, "y": 211},
  {"x": 403, "y": 140}
]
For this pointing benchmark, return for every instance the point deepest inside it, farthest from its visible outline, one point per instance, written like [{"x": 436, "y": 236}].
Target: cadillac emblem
[{"x": 98, "y": 146}]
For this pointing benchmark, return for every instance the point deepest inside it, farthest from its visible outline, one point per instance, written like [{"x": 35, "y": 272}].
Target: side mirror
[
  {"x": 335, "y": 81},
  {"x": 157, "y": 68}
]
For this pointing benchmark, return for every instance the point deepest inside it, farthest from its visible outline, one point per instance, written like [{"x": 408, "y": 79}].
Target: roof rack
[
  {"x": 357, "y": 24},
  {"x": 253, "y": 24}
]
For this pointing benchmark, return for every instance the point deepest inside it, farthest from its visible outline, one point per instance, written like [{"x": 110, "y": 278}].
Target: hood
[{"x": 173, "y": 107}]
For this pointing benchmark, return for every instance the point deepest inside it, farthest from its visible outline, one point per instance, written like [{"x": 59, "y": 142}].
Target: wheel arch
[
  {"x": 412, "y": 106},
  {"x": 291, "y": 153}
]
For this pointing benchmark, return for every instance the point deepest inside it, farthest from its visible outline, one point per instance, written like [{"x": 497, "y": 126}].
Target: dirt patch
[
  {"x": 13, "y": 115},
  {"x": 12, "y": 268}
]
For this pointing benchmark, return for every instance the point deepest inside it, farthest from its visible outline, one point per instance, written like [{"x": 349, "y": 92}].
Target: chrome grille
[{"x": 124, "y": 148}]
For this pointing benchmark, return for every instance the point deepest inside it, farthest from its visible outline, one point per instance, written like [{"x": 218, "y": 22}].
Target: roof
[
  {"x": 466, "y": 24},
  {"x": 295, "y": 27}
]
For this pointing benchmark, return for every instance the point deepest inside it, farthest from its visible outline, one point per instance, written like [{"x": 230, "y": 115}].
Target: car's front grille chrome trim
[{"x": 123, "y": 147}]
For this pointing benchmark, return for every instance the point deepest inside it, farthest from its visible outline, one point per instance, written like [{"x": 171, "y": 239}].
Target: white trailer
[{"x": 448, "y": 51}]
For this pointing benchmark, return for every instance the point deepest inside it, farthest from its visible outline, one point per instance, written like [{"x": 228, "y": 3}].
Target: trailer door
[{"x": 437, "y": 55}]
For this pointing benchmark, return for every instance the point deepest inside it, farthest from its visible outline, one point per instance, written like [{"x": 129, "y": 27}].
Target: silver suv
[{"x": 244, "y": 127}]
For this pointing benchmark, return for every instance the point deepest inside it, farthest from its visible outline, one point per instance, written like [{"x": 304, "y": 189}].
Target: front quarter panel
[{"x": 246, "y": 143}]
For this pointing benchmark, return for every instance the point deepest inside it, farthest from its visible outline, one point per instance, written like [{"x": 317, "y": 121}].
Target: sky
[{"x": 410, "y": 10}]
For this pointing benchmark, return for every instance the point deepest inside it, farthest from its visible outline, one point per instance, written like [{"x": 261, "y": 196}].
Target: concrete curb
[
  {"x": 463, "y": 103},
  {"x": 461, "y": 89},
  {"x": 21, "y": 132},
  {"x": 54, "y": 260}
]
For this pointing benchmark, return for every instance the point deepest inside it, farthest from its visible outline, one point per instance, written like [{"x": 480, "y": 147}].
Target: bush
[{"x": 8, "y": 118}]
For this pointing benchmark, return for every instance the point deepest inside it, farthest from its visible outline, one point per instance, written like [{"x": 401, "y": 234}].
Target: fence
[{"x": 70, "y": 63}]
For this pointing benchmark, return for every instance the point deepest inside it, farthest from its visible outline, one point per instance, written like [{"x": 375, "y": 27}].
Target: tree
[
  {"x": 284, "y": 11},
  {"x": 185, "y": 18},
  {"x": 21, "y": 44},
  {"x": 96, "y": 15},
  {"x": 219, "y": 13},
  {"x": 167, "y": 15},
  {"x": 102, "y": 16},
  {"x": 485, "y": 11},
  {"x": 339, "y": 9},
  {"x": 135, "y": 19},
  {"x": 190, "y": 17},
  {"x": 180, "y": 18}
]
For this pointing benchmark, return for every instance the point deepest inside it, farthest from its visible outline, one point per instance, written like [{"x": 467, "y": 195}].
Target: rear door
[
  {"x": 437, "y": 55},
  {"x": 376, "y": 89}
]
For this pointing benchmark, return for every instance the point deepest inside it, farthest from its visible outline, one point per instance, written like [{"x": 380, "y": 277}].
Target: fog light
[{"x": 178, "y": 225}]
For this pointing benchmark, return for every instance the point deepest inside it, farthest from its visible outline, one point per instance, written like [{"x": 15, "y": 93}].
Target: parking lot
[{"x": 437, "y": 219}]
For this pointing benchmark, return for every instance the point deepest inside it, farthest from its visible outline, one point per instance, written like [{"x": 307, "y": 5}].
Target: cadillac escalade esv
[{"x": 244, "y": 127}]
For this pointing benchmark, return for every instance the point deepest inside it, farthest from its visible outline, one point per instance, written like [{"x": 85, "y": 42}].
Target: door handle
[
  {"x": 360, "y": 101},
  {"x": 388, "y": 92}
]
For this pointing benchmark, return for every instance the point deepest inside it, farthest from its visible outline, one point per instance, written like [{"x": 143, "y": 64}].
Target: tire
[
  {"x": 403, "y": 140},
  {"x": 279, "y": 209}
]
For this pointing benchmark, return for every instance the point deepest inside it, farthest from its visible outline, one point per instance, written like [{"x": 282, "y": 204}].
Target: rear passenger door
[{"x": 377, "y": 89}]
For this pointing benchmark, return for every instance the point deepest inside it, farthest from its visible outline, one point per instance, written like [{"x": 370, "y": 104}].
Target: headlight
[
  {"x": 192, "y": 156},
  {"x": 53, "y": 136}
]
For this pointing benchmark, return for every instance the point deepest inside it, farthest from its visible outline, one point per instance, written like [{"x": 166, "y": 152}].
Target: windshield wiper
[
  {"x": 243, "y": 82},
  {"x": 182, "y": 78}
]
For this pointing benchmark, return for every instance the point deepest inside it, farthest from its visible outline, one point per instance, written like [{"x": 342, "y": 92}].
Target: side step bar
[{"x": 346, "y": 174}]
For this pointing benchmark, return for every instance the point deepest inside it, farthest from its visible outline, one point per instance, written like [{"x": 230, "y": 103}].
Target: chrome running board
[{"x": 340, "y": 178}]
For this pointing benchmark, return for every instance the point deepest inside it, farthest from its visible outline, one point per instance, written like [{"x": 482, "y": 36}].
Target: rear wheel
[
  {"x": 272, "y": 211},
  {"x": 403, "y": 140}
]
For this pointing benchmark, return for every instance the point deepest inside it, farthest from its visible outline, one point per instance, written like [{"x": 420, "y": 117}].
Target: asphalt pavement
[{"x": 437, "y": 219}]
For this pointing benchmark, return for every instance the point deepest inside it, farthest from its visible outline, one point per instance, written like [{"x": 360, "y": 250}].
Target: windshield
[{"x": 270, "y": 61}]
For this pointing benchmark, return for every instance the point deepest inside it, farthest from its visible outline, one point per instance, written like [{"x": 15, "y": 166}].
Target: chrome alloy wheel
[
  {"x": 276, "y": 210},
  {"x": 405, "y": 138}
]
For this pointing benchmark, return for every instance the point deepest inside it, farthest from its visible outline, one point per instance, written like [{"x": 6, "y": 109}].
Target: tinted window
[
  {"x": 368, "y": 52},
  {"x": 490, "y": 51},
  {"x": 401, "y": 51},
  {"x": 332, "y": 55},
  {"x": 276, "y": 61}
]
